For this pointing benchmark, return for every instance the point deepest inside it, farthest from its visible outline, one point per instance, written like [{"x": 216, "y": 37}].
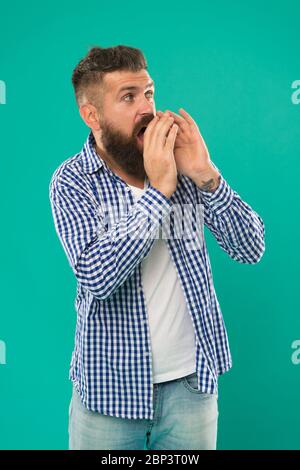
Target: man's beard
[{"x": 124, "y": 150}]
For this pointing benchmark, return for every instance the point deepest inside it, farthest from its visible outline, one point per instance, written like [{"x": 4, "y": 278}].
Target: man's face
[{"x": 127, "y": 106}]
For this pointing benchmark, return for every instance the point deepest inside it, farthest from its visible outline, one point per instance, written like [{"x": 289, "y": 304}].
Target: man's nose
[{"x": 146, "y": 107}]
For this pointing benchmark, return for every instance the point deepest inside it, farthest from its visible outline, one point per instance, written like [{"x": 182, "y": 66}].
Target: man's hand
[
  {"x": 159, "y": 162},
  {"x": 191, "y": 154}
]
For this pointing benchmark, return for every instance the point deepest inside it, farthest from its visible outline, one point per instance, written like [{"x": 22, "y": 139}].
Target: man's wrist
[
  {"x": 208, "y": 179},
  {"x": 167, "y": 191}
]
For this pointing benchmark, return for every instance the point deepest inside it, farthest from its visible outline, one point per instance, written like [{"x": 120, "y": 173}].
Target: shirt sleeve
[
  {"x": 103, "y": 257},
  {"x": 238, "y": 229}
]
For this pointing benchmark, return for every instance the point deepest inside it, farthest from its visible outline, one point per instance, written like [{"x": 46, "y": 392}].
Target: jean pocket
[{"x": 190, "y": 382}]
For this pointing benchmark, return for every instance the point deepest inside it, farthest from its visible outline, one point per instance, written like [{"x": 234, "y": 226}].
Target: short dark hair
[{"x": 91, "y": 69}]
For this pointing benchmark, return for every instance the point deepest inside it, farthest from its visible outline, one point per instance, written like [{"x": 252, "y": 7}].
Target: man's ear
[{"x": 89, "y": 114}]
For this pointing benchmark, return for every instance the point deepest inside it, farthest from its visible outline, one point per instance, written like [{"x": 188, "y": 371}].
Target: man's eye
[
  {"x": 126, "y": 96},
  {"x": 130, "y": 95},
  {"x": 151, "y": 92}
]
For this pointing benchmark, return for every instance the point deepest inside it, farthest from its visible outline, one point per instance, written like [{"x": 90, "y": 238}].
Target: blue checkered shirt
[{"x": 111, "y": 365}]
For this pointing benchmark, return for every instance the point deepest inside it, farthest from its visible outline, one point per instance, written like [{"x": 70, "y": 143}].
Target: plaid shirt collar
[{"x": 91, "y": 161}]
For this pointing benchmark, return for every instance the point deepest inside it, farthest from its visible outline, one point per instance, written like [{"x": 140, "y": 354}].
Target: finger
[
  {"x": 159, "y": 120},
  {"x": 187, "y": 116},
  {"x": 182, "y": 123},
  {"x": 161, "y": 114},
  {"x": 150, "y": 137},
  {"x": 161, "y": 130},
  {"x": 170, "y": 141},
  {"x": 171, "y": 113},
  {"x": 149, "y": 129},
  {"x": 151, "y": 124}
]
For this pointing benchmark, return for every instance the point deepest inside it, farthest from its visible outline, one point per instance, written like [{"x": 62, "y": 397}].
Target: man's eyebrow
[{"x": 133, "y": 87}]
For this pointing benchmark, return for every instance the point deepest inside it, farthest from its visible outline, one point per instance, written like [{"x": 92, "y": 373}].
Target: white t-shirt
[{"x": 170, "y": 323}]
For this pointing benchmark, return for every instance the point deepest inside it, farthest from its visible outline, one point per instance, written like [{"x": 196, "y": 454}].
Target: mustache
[{"x": 143, "y": 123}]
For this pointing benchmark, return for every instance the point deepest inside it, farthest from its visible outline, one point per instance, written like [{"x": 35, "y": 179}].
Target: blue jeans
[{"x": 184, "y": 418}]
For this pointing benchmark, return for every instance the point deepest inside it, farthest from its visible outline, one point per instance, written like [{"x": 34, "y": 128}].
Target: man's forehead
[{"x": 118, "y": 79}]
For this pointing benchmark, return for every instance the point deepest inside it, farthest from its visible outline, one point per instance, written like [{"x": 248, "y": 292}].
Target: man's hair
[{"x": 88, "y": 75}]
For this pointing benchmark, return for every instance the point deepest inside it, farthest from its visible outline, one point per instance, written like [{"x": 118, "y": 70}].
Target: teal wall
[{"x": 231, "y": 65}]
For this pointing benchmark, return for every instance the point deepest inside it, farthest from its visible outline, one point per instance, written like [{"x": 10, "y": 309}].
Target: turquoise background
[{"x": 231, "y": 66}]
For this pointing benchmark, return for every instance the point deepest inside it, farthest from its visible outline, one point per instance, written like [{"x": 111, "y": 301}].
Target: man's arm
[
  {"x": 238, "y": 229},
  {"x": 103, "y": 259},
  {"x": 208, "y": 180}
]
